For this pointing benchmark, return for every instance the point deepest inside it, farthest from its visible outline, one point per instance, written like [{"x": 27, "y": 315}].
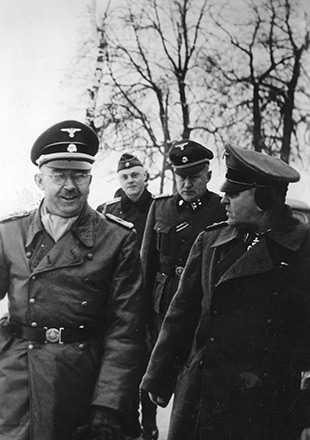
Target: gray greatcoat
[
  {"x": 236, "y": 338},
  {"x": 91, "y": 277}
]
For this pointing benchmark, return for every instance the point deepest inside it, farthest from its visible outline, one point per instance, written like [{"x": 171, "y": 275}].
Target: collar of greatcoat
[
  {"x": 83, "y": 228},
  {"x": 290, "y": 239},
  {"x": 257, "y": 259}
]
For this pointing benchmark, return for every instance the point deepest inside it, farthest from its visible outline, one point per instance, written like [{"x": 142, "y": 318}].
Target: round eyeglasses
[{"x": 60, "y": 178}]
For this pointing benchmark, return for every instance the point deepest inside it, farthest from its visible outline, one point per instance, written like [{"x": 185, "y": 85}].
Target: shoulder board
[
  {"x": 162, "y": 196},
  {"x": 110, "y": 202},
  {"x": 119, "y": 221},
  {"x": 216, "y": 226},
  {"x": 14, "y": 216}
]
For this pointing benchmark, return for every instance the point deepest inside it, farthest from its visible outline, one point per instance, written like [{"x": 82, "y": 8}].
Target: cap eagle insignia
[
  {"x": 71, "y": 131},
  {"x": 181, "y": 146}
]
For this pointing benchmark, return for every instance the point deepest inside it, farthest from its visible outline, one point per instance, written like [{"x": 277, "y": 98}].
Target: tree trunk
[{"x": 288, "y": 122}]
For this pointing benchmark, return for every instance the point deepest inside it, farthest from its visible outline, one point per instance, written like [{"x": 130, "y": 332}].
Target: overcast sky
[{"x": 38, "y": 45}]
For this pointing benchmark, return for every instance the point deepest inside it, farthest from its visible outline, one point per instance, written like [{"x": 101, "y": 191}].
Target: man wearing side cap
[
  {"x": 72, "y": 349},
  {"x": 134, "y": 200},
  {"x": 235, "y": 345},
  {"x": 133, "y": 205}
]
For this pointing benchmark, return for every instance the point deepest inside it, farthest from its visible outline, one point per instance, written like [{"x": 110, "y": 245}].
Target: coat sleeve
[
  {"x": 177, "y": 334},
  {"x": 124, "y": 350}
]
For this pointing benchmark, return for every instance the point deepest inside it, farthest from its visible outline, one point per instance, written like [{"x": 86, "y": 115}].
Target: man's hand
[
  {"x": 158, "y": 400},
  {"x": 105, "y": 424},
  {"x": 305, "y": 435}
]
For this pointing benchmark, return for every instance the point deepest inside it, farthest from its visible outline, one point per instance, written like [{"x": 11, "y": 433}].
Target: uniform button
[
  {"x": 90, "y": 257},
  {"x": 211, "y": 340},
  {"x": 28, "y": 254},
  {"x": 34, "y": 324},
  {"x": 215, "y": 312},
  {"x": 81, "y": 346},
  {"x": 32, "y": 301},
  {"x": 86, "y": 280},
  {"x": 84, "y": 303},
  {"x": 33, "y": 277},
  {"x": 30, "y": 346},
  {"x": 274, "y": 293},
  {"x": 269, "y": 321},
  {"x": 201, "y": 363}
]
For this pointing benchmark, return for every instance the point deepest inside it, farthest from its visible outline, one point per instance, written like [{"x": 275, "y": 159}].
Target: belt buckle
[
  {"x": 179, "y": 271},
  {"x": 53, "y": 335}
]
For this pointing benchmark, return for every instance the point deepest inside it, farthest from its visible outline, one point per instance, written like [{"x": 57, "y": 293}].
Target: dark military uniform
[
  {"x": 171, "y": 229},
  {"x": 236, "y": 338},
  {"x": 133, "y": 212},
  {"x": 235, "y": 346},
  {"x": 136, "y": 213}
]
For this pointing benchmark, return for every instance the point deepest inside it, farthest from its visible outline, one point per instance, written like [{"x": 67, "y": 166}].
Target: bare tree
[
  {"x": 148, "y": 64},
  {"x": 164, "y": 71},
  {"x": 271, "y": 53}
]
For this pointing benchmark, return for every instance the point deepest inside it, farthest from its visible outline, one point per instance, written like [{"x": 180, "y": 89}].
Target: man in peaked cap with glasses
[
  {"x": 132, "y": 204},
  {"x": 72, "y": 349},
  {"x": 235, "y": 345},
  {"x": 173, "y": 224}
]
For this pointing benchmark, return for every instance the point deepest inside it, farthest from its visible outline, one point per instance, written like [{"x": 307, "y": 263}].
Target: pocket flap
[{"x": 162, "y": 228}]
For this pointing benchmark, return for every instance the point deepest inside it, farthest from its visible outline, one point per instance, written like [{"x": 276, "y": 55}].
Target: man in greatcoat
[
  {"x": 132, "y": 204},
  {"x": 235, "y": 346},
  {"x": 72, "y": 349}
]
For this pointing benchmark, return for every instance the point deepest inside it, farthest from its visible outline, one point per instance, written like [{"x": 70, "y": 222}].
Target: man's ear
[
  {"x": 38, "y": 178},
  {"x": 209, "y": 175},
  {"x": 146, "y": 176}
]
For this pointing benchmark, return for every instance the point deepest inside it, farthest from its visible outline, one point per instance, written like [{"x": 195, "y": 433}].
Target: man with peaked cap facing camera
[
  {"x": 134, "y": 201},
  {"x": 235, "y": 346},
  {"x": 133, "y": 205},
  {"x": 173, "y": 224},
  {"x": 71, "y": 351}
]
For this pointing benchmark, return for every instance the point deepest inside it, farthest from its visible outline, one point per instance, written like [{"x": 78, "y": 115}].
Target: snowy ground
[{"x": 163, "y": 421}]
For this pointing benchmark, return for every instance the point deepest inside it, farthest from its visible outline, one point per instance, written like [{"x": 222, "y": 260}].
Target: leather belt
[{"x": 52, "y": 335}]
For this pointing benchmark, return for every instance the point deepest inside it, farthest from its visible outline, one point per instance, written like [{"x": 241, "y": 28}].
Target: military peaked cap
[
  {"x": 188, "y": 157},
  {"x": 247, "y": 169},
  {"x": 128, "y": 161},
  {"x": 68, "y": 144}
]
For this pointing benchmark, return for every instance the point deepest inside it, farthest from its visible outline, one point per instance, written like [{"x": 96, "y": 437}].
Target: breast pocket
[{"x": 163, "y": 237}]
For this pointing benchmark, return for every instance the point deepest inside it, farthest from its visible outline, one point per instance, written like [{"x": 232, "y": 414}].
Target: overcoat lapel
[
  {"x": 252, "y": 262},
  {"x": 64, "y": 253},
  {"x": 235, "y": 261}
]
